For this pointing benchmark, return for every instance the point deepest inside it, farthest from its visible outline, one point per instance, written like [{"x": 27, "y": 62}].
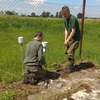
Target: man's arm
[
  {"x": 70, "y": 36},
  {"x": 66, "y": 34}
]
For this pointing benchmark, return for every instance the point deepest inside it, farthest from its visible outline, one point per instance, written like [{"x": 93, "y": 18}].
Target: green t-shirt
[{"x": 70, "y": 23}]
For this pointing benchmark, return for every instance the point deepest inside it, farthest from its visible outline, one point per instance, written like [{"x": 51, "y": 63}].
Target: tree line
[{"x": 43, "y": 14}]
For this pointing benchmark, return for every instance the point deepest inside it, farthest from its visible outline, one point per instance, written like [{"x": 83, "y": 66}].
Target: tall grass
[
  {"x": 91, "y": 40},
  {"x": 13, "y": 27}
]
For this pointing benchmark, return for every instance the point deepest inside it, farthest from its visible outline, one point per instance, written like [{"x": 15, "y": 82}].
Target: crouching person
[{"x": 34, "y": 60}]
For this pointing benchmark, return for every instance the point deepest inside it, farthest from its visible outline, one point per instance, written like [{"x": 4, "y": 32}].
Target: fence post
[{"x": 82, "y": 25}]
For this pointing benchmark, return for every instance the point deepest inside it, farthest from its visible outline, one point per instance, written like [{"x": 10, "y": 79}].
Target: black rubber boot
[
  {"x": 71, "y": 67},
  {"x": 31, "y": 78},
  {"x": 26, "y": 81},
  {"x": 71, "y": 61}
]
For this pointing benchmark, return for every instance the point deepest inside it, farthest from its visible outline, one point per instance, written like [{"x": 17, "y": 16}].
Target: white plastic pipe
[{"x": 20, "y": 41}]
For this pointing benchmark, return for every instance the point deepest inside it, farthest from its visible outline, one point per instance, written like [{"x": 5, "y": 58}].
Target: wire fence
[{"x": 30, "y": 9}]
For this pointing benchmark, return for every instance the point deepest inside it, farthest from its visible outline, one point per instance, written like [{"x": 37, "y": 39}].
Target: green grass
[
  {"x": 91, "y": 40},
  {"x": 13, "y": 27},
  {"x": 7, "y": 95}
]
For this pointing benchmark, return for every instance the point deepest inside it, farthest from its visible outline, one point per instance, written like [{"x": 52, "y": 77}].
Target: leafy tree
[
  {"x": 47, "y": 14},
  {"x": 43, "y": 14},
  {"x": 57, "y": 15},
  {"x": 79, "y": 15},
  {"x": 51, "y": 15},
  {"x": 11, "y": 13},
  {"x": 60, "y": 15},
  {"x": 32, "y": 14}
]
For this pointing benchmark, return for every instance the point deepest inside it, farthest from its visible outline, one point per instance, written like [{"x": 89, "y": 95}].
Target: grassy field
[{"x": 10, "y": 51}]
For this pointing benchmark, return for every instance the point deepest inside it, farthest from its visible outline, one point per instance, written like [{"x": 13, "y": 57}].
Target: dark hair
[
  {"x": 64, "y": 9},
  {"x": 38, "y": 33}
]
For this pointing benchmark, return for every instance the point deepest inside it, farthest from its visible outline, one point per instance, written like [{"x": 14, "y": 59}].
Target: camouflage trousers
[
  {"x": 70, "y": 51},
  {"x": 36, "y": 70}
]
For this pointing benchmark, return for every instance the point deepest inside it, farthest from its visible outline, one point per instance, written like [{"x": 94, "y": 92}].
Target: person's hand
[{"x": 66, "y": 43}]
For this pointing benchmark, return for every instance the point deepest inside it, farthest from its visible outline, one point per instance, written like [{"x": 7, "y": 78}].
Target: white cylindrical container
[
  {"x": 20, "y": 40},
  {"x": 45, "y": 44}
]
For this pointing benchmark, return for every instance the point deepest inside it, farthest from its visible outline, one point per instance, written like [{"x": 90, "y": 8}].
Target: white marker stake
[{"x": 20, "y": 41}]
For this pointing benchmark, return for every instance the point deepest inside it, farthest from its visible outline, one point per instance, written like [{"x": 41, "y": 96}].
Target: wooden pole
[{"x": 82, "y": 25}]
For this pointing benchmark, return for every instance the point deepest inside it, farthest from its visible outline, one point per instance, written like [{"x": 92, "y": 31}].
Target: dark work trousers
[
  {"x": 36, "y": 70},
  {"x": 70, "y": 51}
]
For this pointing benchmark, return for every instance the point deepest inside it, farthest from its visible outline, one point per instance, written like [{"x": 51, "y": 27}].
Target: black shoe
[
  {"x": 31, "y": 78},
  {"x": 26, "y": 81}
]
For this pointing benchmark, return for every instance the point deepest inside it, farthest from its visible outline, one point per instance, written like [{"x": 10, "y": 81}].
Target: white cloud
[
  {"x": 35, "y": 2},
  {"x": 76, "y": 7}
]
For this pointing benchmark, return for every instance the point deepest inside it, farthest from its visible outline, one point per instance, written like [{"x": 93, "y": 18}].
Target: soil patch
[{"x": 83, "y": 84}]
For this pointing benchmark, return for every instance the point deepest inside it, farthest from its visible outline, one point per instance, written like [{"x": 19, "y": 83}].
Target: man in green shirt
[
  {"x": 34, "y": 60},
  {"x": 72, "y": 36}
]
